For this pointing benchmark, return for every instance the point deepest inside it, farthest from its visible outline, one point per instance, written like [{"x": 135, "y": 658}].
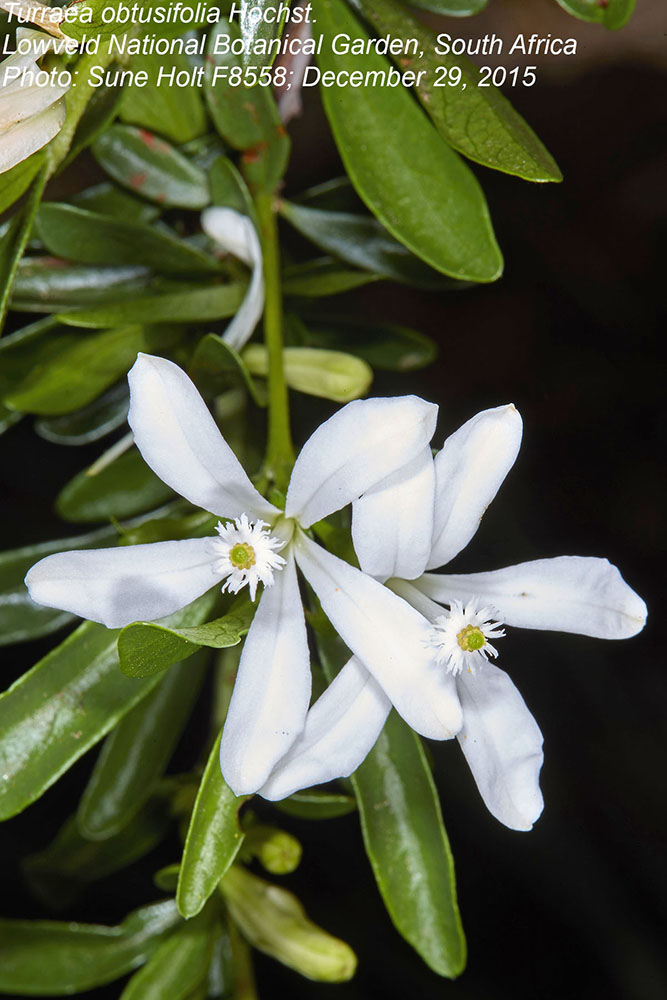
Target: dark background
[{"x": 570, "y": 335}]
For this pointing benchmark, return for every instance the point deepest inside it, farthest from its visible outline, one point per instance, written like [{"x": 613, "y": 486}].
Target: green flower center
[
  {"x": 471, "y": 638},
  {"x": 242, "y": 556}
]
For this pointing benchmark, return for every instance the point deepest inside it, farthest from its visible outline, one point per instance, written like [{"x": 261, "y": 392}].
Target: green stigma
[
  {"x": 471, "y": 638},
  {"x": 242, "y": 556}
]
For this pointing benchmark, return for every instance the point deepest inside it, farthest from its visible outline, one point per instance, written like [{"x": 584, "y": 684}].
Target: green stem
[
  {"x": 77, "y": 101},
  {"x": 279, "y": 452}
]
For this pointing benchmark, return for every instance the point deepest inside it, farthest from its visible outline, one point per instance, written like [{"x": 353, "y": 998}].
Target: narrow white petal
[
  {"x": 469, "y": 471},
  {"x": 388, "y": 636},
  {"x": 362, "y": 444},
  {"x": 24, "y": 139},
  {"x": 126, "y": 584},
  {"x": 272, "y": 689},
  {"x": 18, "y": 105},
  {"x": 178, "y": 438},
  {"x": 392, "y": 524},
  {"x": 503, "y": 746},
  {"x": 567, "y": 594},
  {"x": 236, "y": 234},
  {"x": 341, "y": 729}
]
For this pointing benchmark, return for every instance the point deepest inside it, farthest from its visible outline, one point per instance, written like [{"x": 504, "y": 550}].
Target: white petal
[
  {"x": 469, "y": 471},
  {"x": 503, "y": 746},
  {"x": 357, "y": 448},
  {"x": 24, "y": 139},
  {"x": 236, "y": 234},
  {"x": 178, "y": 438},
  {"x": 388, "y": 636},
  {"x": 26, "y": 102},
  {"x": 272, "y": 689},
  {"x": 341, "y": 729},
  {"x": 126, "y": 584},
  {"x": 567, "y": 594},
  {"x": 392, "y": 524}
]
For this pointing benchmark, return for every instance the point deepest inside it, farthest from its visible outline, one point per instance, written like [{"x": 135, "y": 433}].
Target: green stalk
[
  {"x": 77, "y": 101},
  {"x": 279, "y": 452}
]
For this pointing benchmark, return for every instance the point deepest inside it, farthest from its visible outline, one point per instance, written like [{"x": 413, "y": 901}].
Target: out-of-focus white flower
[
  {"x": 31, "y": 112},
  {"x": 418, "y": 522},
  {"x": 348, "y": 455},
  {"x": 236, "y": 234}
]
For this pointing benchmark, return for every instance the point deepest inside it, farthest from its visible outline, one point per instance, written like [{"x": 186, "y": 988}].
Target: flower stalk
[{"x": 280, "y": 451}]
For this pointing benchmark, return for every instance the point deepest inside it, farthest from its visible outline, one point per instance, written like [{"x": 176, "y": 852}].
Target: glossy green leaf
[
  {"x": 175, "y": 112},
  {"x": 125, "y": 487},
  {"x": 146, "y": 648},
  {"x": 49, "y": 284},
  {"x": 20, "y": 617},
  {"x": 361, "y": 241},
  {"x": 258, "y": 29},
  {"x": 451, "y": 8},
  {"x": 613, "y": 14},
  {"x": 108, "y": 199},
  {"x": 245, "y": 116},
  {"x": 198, "y": 305},
  {"x": 478, "y": 121},
  {"x": 92, "y": 422},
  {"x": 79, "y": 373},
  {"x": 135, "y": 754},
  {"x": 328, "y": 374},
  {"x": 53, "y": 714},
  {"x": 408, "y": 847},
  {"x": 148, "y": 165},
  {"x": 429, "y": 201},
  {"x": 179, "y": 966},
  {"x": 405, "y": 836},
  {"x": 14, "y": 182},
  {"x": 216, "y": 367},
  {"x": 312, "y": 804},
  {"x": 14, "y": 241},
  {"x": 91, "y": 238},
  {"x": 49, "y": 958},
  {"x": 274, "y": 921},
  {"x": 385, "y": 346},
  {"x": 322, "y": 277},
  {"x": 58, "y": 875},
  {"x": 213, "y": 840}
]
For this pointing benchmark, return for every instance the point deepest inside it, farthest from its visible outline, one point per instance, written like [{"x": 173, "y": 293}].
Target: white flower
[
  {"x": 236, "y": 234},
  {"x": 345, "y": 457},
  {"x": 31, "y": 113},
  {"x": 416, "y": 522}
]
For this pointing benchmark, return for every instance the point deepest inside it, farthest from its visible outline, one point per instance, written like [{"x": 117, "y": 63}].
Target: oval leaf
[
  {"x": 213, "y": 840},
  {"x": 431, "y": 201},
  {"x": 146, "y": 648},
  {"x": 196, "y": 305},
  {"x": 478, "y": 121},
  {"x": 328, "y": 374},
  {"x": 53, "y": 714},
  {"x": 90, "y": 238},
  {"x": 142, "y": 162},
  {"x": 48, "y": 958}
]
